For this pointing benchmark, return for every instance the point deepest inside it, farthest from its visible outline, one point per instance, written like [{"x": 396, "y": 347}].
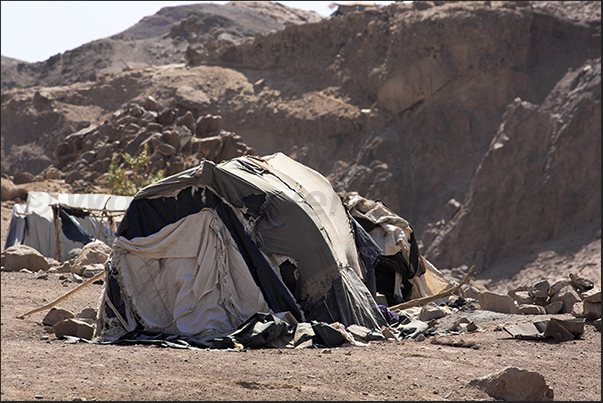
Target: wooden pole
[
  {"x": 64, "y": 297},
  {"x": 57, "y": 233},
  {"x": 426, "y": 300}
]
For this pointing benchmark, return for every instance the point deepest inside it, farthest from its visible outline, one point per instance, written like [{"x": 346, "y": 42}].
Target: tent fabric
[
  {"x": 188, "y": 278},
  {"x": 201, "y": 252},
  {"x": 37, "y": 228}
]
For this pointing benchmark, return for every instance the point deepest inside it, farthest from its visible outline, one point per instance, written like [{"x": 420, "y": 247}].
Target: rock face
[{"x": 478, "y": 122}]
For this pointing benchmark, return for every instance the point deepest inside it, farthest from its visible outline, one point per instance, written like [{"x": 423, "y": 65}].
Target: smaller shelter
[{"x": 56, "y": 224}]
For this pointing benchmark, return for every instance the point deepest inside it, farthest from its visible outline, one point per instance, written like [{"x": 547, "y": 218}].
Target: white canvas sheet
[{"x": 188, "y": 278}]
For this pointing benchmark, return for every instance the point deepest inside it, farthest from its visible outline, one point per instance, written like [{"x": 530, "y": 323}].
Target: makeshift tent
[
  {"x": 201, "y": 252},
  {"x": 76, "y": 218}
]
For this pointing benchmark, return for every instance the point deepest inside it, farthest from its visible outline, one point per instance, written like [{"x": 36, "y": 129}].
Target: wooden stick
[
  {"x": 64, "y": 297},
  {"x": 426, "y": 300}
]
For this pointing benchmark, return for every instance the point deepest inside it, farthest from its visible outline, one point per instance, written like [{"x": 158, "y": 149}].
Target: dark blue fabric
[
  {"x": 14, "y": 236},
  {"x": 147, "y": 216},
  {"x": 369, "y": 254},
  {"x": 73, "y": 230}
]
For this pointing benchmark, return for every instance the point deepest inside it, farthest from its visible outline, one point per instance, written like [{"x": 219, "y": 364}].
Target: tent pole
[{"x": 57, "y": 224}]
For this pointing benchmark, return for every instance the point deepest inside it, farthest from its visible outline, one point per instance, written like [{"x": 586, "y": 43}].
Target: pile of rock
[
  {"x": 575, "y": 295},
  {"x": 175, "y": 142}
]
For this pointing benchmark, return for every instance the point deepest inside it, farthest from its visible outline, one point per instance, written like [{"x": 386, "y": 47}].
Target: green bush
[{"x": 134, "y": 173}]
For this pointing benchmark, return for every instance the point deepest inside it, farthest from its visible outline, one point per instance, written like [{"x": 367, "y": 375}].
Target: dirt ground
[{"x": 38, "y": 366}]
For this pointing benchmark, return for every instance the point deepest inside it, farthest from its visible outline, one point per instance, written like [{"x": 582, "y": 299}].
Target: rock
[
  {"x": 91, "y": 270},
  {"x": 581, "y": 283},
  {"x": 431, "y": 311},
  {"x": 87, "y": 313},
  {"x": 531, "y": 309},
  {"x": 53, "y": 174},
  {"x": 23, "y": 177},
  {"x": 557, "y": 285},
  {"x": 554, "y": 307},
  {"x": 597, "y": 324},
  {"x": 150, "y": 104},
  {"x": 55, "y": 315},
  {"x": 450, "y": 209},
  {"x": 73, "y": 327},
  {"x": 568, "y": 296},
  {"x": 593, "y": 295},
  {"x": 92, "y": 253},
  {"x": 586, "y": 309},
  {"x": 18, "y": 257},
  {"x": 8, "y": 189},
  {"x": 491, "y": 301},
  {"x": 539, "y": 292},
  {"x": 522, "y": 297},
  {"x": 187, "y": 120},
  {"x": 514, "y": 384}
]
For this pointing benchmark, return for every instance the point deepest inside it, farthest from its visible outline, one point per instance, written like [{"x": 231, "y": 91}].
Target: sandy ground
[{"x": 38, "y": 366}]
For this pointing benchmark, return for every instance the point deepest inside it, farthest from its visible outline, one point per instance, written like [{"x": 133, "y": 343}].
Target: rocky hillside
[
  {"x": 479, "y": 122},
  {"x": 156, "y": 40}
]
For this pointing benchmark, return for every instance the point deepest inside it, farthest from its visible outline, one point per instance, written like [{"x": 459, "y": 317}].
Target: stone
[
  {"x": 522, "y": 297},
  {"x": 514, "y": 384},
  {"x": 592, "y": 295},
  {"x": 580, "y": 282},
  {"x": 187, "y": 120},
  {"x": 568, "y": 296},
  {"x": 53, "y": 174},
  {"x": 539, "y": 292},
  {"x": 150, "y": 104},
  {"x": 73, "y": 327},
  {"x": 554, "y": 307},
  {"x": 557, "y": 285},
  {"x": 91, "y": 270},
  {"x": 491, "y": 301},
  {"x": 431, "y": 311},
  {"x": 18, "y": 257},
  {"x": 23, "y": 177},
  {"x": 87, "y": 313},
  {"x": 597, "y": 324},
  {"x": 591, "y": 310},
  {"x": 8, "y": 191},
  {"x": 531, "y": 309},
  {"x": 56, "y": 315}
]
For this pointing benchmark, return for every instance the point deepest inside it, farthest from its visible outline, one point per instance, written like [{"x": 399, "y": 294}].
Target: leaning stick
[
  {"x": 64, "y": 297},
  {"x": 425, "y": 300}
]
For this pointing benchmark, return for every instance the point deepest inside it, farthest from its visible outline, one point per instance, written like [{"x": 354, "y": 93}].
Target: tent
[
  {"x": 76, "y": 218},
  {"x": 201, "y": 253}
]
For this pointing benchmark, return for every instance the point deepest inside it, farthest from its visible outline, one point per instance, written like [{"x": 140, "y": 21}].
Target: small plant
[{"x": 126, "y": 181}]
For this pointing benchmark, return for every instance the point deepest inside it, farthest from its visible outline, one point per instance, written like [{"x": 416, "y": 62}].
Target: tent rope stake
[{"x": 64, "y": 297}]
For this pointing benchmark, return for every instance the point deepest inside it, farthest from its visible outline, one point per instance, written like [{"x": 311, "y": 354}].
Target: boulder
[
  {"x": 55, "y": 315},
  {"x": 491, "y": 301},
  {"x": 557, "y": 285},
  {"x": 73, "y": 327},
  {"x": 539, "y": 292},
  {"x": 554, "y": 307},
  {"x": 568, "y": 296},
  {"x": 514, "y": 384},
  {"x": 18, "y": 257},
  {"x": 580, "y": 282}
]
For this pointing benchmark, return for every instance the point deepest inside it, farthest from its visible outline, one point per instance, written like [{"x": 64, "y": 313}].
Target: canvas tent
[
  {"x": 201, "y": 253},
  {"x": 76, "y": 218}
]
